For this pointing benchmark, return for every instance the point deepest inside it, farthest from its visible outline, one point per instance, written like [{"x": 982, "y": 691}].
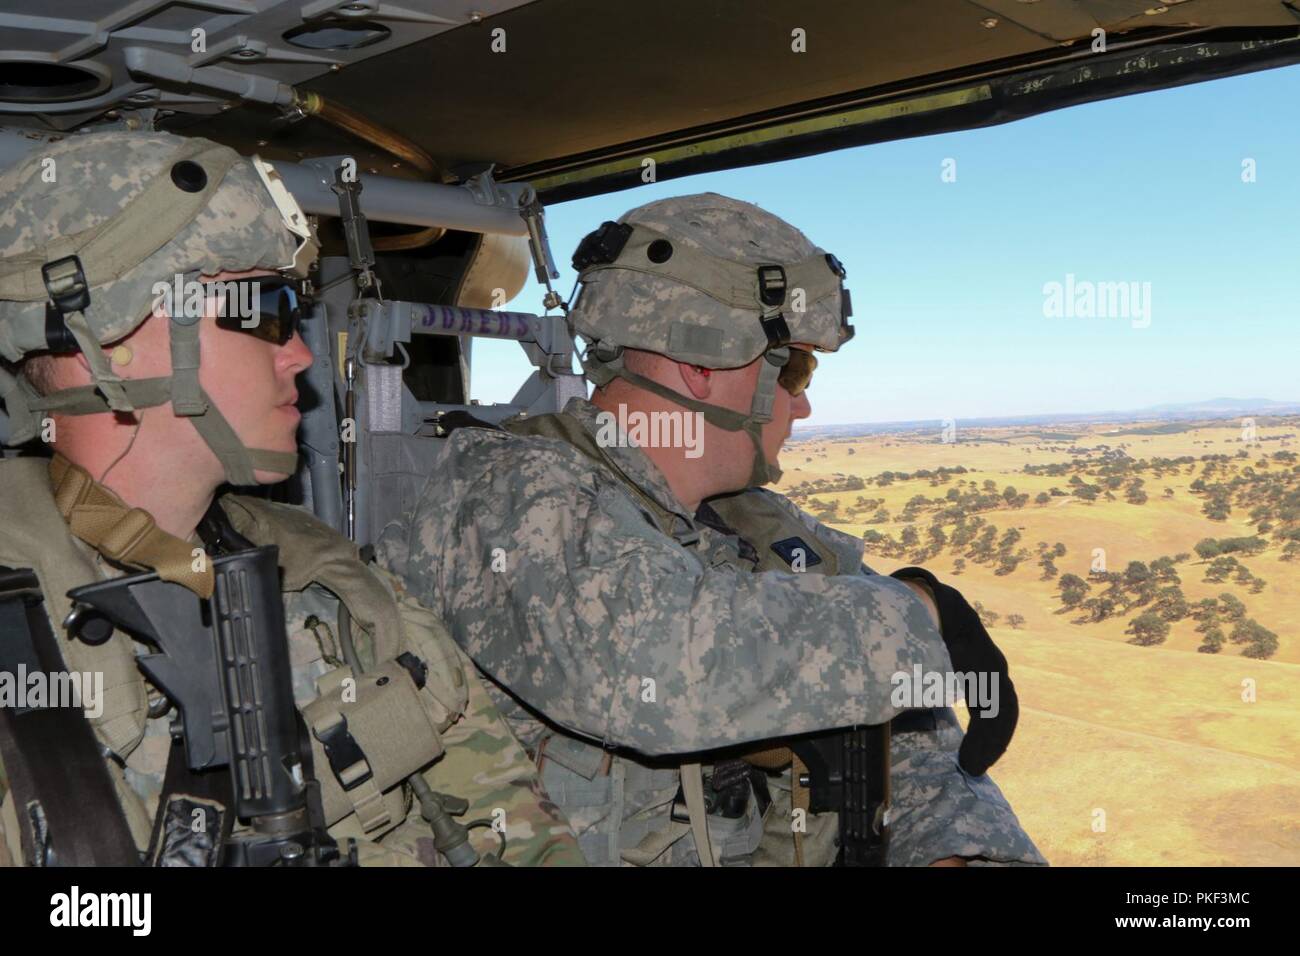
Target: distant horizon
[{"x": 1104, "y": 416}]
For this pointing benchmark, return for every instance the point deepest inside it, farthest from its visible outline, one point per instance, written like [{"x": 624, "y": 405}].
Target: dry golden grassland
[{"x": 1126, "y": 754}]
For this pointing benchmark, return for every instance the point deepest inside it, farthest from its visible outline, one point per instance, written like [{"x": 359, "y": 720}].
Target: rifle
[
  {"x": 224, "y": 663},
  {"x": 848, "y": 773}
]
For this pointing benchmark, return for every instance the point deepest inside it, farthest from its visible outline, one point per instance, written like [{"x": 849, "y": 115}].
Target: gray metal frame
[
  {"x": 397, "y": 436},
  {"x": 142, "y": 51}
]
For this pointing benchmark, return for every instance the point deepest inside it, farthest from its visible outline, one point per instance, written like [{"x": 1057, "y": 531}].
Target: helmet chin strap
[
  {"x": 603, "y": 365},
  {"x": 190, "y": 401},
  {"x": 181, "y": 388}
]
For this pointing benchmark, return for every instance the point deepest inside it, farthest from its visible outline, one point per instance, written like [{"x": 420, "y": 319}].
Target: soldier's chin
[
  {"x": 269, "y": 477},
  {"x": 774, "y": 464},
  {"x": 287, "y": 445}
]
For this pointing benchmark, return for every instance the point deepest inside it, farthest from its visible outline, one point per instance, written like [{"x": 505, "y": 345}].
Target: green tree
[
  {"x": 1073, "y": 589},
  {"x": 1170, "y": 603},
  {"x": 1098, "y": 608},
  {"x": 962, "y": 535},
  {"x": 1206, "y": 611},
  {"x": 1233, "y": 609},
  {"x": 1212, "y": 642},
  {"x": 1164, "y": 571},
  {"x": 1148, "y": 629},
  {"x": 1137, "y": 574},
  {"x": 874, "y": 540},
  {"x": 1261, "y": 642},
  {"x": 1207, "y": 548},
  {"x": 1220, "y": 568}
]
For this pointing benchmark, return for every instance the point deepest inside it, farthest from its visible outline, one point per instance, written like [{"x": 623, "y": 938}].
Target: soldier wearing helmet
[
  {"x": 647, "y": 613},
  {"x": 148, "y": 319}
]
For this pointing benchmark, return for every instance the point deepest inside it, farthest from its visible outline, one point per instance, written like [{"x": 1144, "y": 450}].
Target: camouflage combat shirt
[{"x": 588, "y": 619}]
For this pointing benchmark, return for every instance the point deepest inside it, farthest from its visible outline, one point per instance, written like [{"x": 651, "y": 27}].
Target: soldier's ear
[{"x": 698, "y": 381}]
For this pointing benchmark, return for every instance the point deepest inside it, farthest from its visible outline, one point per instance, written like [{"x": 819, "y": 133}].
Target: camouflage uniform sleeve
[
  {"x": 940, "y": 811},
  {"x": 569, "y": 598},
  {"x": 487, "y": 766}
]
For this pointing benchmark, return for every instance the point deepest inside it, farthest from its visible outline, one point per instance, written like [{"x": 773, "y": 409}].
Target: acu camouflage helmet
[
  {"x": 91, "y": 225},
  {"x": 712, "y": 281}
]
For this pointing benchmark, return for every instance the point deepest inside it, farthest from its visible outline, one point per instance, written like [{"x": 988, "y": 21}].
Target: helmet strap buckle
[
  {"x": 771, "y": 293},
  {"x": 771, "y": 285},
  {"x": 776, "y": 330},
  {"x": 65, "y": 282}
]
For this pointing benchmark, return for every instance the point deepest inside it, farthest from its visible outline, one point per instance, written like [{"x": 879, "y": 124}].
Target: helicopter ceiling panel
[{"x": 575, "y": 96}]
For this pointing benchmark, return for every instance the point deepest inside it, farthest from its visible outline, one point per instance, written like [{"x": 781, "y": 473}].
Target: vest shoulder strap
[
  {"x": 567, "y": 429},
  {"x": 66, "y": 805},
  {"x": 570, "y": 430},
  {"x": 781, "y": 540},
  {"x": 34, "y": 535}
]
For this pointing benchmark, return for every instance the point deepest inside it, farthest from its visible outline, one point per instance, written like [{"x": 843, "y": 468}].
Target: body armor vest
[{"x": 395, "y": 724}]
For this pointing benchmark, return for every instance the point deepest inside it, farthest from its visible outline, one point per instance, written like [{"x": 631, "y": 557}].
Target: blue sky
[{"x": 948, "y": 277}]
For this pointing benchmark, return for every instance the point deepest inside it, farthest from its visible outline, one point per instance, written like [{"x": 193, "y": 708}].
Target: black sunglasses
[{"x": 265, "y": 307}]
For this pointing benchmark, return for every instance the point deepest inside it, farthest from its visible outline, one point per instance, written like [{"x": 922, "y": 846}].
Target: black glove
[{"x": 973, "y": 652}]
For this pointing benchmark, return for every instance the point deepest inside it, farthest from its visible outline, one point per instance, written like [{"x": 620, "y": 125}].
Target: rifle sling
[{"x": 176, "y": 840}]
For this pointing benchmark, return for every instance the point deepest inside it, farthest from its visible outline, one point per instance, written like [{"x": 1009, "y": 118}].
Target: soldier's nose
[{"x": 801, "y": 407}]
